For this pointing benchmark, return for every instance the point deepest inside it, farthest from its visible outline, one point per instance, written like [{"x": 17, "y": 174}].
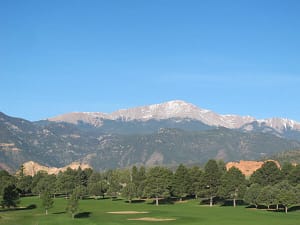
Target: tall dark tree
[
  {"x": 181, "y": 181},
  {"x": 211, "y": 180},
  {"x": 36, "y": 180},
  {"x": 139, "y": 179},
  {"x": 233, "y": 185},
  {"x": 98, "y": 188},
  {"x": 10, "y": 196},
  {"x": 45, "y": 183},
  {"x": 158, "y": 183},
  {"x": 114, "y": 185},
  {"x": 81, "y": 177},
  {"x": 66, "y": 181},
  {"x": 24, "y": 184},
  {"x": 5, "y": 180},
  {"x": 195, "y": 176}
]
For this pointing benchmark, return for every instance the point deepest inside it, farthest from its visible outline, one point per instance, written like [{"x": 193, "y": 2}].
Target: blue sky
[{"x": 233, "y": 57}]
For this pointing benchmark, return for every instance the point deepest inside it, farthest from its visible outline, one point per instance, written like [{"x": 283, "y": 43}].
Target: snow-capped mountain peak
[
  {"x": 280, "y": 124},
  {"x": 180, "y": 110}
]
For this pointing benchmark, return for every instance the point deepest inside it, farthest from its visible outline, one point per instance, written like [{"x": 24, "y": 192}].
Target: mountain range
[
  {"x": 169, "y": 133},
  {"x": 183, "y": 112}
]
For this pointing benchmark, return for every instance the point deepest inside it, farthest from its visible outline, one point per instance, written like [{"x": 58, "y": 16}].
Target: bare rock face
[
  {"x": 166, "y": 110},
  {"x": 248, "y": 167},
  {"x": 178, "y": 109},
  {"x": 31, "y": 168}
]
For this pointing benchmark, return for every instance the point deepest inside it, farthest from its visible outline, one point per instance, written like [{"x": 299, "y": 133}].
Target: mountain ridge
[
  {"x": 181, "y": 110},
  {"x": 169, "y": 136}
]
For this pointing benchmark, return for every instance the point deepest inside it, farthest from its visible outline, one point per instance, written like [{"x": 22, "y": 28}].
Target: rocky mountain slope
[
  {"x": 168, "y": 110},
  {"x": 183, "y": 112},
  {"x": 169, "y": 133}
]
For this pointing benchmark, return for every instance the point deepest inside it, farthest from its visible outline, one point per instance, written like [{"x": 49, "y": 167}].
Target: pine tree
[
  {"x": 158, "y": 183},
  {"x": 10, "y": 196},
  {"x": 232, "y": 184},
  {"x": 211, "y": 180},
  {"x": 47, "y": 201},
  {"x": 181, "y": 181},
  {"x": 195, "y": 176},
  {"x": 72, "y": 206}
]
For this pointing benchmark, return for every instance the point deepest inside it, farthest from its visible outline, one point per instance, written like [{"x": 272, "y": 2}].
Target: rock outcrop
[
  {"x": 248, "y": 167},
  {"x": 31, "y": 168}
]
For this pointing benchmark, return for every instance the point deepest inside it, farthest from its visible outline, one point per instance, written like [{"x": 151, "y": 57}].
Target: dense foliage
[{"x": 269, "y": 186}]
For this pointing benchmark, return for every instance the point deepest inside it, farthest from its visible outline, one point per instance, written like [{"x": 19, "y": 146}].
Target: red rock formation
[
  {"x": 31, "y": 168},
  {"x": 248, "y": 167}
]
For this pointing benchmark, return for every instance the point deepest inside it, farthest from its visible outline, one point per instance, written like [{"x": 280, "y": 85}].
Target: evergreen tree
[
  {"x": 73, "y": 205},
  {"x": 80, "y": 191},
  {"x": 98, "y": 188},
  {"x": 181, "y": 181},
  {"x": 36, "y": 188},
  {"x": 114, "y": 186},
  {"x": 211, "y": 180},
  {"x": 81, "y": 177},
  {"x": 24, "y": 184},
  {"x": 158, "y": 183},
  {"x": 47, "y": 201},
  {"x": 232, "y": 184},
  {"x": 10, "y": 196},
  {"x": 66, "y": 181},
  {"x": 140, "y": 182},
  {"x": 44, "y": 183},
  {"x": 5, "y": 180},
  {"x": 195, "y": 176}
]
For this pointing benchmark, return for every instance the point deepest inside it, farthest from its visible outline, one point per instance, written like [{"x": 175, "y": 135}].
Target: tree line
[{"x": 269, "y": 186}]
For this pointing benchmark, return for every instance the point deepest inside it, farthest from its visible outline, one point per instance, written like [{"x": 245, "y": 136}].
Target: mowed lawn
[{"x": 95, "y": 212}]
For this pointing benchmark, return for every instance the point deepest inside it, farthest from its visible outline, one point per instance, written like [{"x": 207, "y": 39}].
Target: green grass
[{"x": 191, "y": 213}]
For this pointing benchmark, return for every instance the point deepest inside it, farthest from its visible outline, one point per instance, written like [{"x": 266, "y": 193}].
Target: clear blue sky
[{"x": 233, "y": 57}]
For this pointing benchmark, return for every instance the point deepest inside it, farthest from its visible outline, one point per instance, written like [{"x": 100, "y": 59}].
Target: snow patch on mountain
[{"x": 178, "y": 109}]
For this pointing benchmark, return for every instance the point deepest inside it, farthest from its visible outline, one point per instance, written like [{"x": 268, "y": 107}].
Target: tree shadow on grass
[
  {"x": 164, "y": 201},
  {"x": 294, "y": 208},
  {"x": 136, "y": 201},
  {"x": 239, "y": 202},
  {"x": 29, "y": 207},
  {"x": 57, "y": 213},
  {"x": 83, "y": 215}
]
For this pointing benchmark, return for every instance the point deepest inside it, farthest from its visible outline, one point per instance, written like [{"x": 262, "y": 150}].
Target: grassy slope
[{"x": 190, "y": 213}]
